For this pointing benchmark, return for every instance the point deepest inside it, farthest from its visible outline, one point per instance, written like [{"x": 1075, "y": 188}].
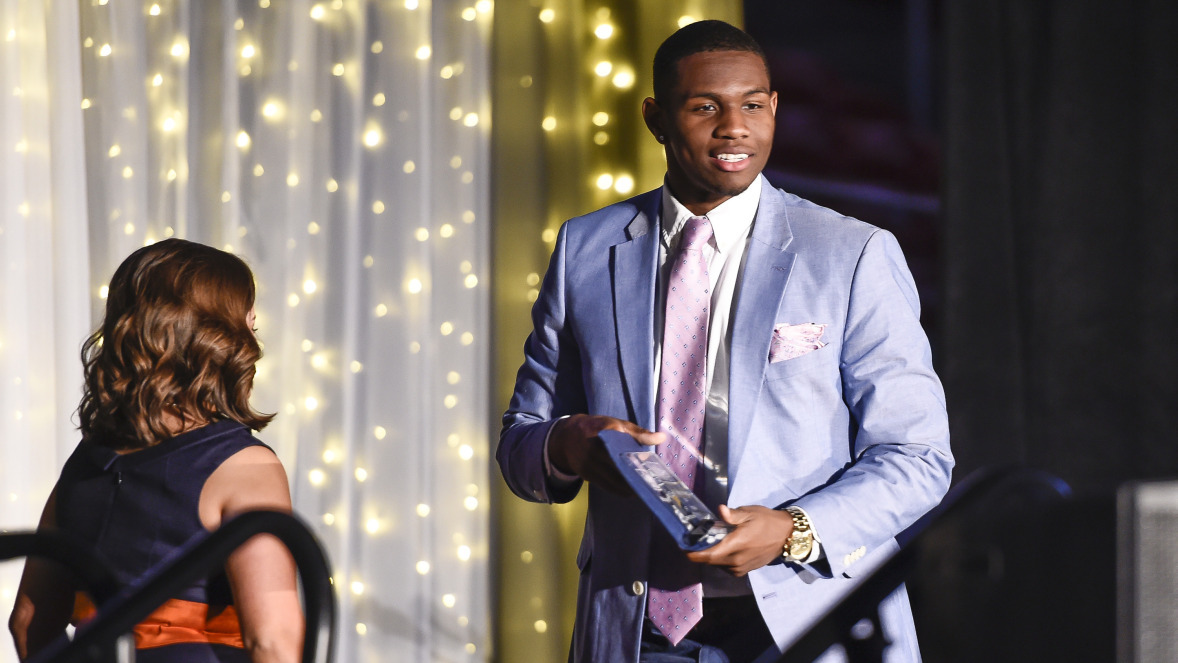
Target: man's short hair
[{"x": 698, "y": 37}]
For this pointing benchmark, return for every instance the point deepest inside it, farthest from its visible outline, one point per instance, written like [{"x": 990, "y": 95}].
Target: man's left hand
[{"x": 758, "y": 538}]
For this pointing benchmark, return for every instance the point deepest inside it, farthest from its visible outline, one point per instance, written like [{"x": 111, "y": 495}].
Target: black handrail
[
  {"x": 866, "y": 645},
  {"x": 204, "y": 557},
  {"x": 92, "y": 572}
]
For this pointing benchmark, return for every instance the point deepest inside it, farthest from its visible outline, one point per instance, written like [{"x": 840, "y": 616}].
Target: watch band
[{"x": 800, "y": 543}]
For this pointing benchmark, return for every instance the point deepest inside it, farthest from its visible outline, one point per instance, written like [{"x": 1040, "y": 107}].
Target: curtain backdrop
[
  {"x": 342, "y": 149},
  {"x": 1061, "y": 252},
  {"x": 1061, "y": 303}
]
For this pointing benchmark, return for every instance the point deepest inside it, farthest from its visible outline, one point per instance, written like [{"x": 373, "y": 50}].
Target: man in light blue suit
[{"x": 824, "y": 431}]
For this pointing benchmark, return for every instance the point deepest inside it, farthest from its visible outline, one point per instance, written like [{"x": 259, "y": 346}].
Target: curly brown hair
[{"x": 174, "y": 342}]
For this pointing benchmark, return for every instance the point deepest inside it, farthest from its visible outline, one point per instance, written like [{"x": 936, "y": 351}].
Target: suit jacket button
[{"x": 638, "y": 588}]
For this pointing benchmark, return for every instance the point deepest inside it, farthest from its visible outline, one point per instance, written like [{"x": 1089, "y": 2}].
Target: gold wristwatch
[{"x": 801, "y": 541}]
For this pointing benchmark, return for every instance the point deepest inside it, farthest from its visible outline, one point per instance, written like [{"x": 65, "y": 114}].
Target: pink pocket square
[{"x": 792, "y": 341}]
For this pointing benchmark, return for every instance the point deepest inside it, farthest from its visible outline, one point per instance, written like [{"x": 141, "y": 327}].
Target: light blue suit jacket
[{"x": 854, "y": 432}]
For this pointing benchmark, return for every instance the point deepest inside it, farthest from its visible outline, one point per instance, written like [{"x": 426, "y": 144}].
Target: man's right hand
[{"x": 575, "y": 448}]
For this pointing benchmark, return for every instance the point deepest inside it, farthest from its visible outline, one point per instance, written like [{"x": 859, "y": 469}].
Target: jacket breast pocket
[{"x": 824, "y": 356}]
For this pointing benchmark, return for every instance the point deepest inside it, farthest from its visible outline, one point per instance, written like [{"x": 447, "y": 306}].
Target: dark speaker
[{"x": 1147, "y": 572}]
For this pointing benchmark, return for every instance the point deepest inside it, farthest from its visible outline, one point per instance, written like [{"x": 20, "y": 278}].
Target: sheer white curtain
[{"x": 341, "y": 148}]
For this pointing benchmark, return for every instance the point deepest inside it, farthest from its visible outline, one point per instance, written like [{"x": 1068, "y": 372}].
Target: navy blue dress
[{"x": 139, "y": 509}]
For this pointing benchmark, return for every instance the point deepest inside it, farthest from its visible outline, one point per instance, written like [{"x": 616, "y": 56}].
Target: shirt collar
[{"x": 730, "y": 219}]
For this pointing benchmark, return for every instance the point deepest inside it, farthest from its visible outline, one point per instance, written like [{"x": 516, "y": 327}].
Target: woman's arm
[
  {"x": 45, "y": 599},
  {"x": 261, "y": 572}
]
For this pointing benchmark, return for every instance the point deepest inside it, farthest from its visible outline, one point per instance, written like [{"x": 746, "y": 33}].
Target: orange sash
[{"x": 176, "y": 622}]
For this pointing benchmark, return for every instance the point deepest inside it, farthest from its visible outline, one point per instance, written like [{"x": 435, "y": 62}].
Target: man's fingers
[
  {"x": 649, "y": 438},
  {"x": 732, "y": 516},
  {"x": 641, "y": 435}
]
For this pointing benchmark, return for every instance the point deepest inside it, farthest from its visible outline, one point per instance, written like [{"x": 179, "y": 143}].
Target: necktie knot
[{"x": 696, "y": 233}]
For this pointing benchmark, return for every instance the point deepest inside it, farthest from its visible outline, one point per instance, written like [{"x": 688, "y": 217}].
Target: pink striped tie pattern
[{"x": 675, "y": 597}]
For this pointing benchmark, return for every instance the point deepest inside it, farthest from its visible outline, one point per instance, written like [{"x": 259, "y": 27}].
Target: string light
[{"x": 624, "y": 79}]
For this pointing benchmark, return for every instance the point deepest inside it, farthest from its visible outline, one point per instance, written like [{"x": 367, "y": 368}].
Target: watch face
[{"x": 800, "y": 548}]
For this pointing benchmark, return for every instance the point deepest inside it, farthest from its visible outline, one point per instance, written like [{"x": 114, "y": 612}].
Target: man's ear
[{"x": 652, "y": 114}]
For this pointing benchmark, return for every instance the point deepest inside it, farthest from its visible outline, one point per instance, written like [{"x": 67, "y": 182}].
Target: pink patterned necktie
[{"x": 675, "y": 598}]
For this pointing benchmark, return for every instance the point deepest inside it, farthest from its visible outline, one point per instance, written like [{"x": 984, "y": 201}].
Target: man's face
[{"x": 717, "y": 125}]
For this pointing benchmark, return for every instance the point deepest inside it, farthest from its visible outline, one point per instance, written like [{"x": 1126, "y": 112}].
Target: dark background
[{"x": 1025, "y": 153}]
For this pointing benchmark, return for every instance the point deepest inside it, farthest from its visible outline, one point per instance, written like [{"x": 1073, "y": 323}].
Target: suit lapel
[
  {"x": 762, "y": 285},
  {"x": 634, "y": 264}
]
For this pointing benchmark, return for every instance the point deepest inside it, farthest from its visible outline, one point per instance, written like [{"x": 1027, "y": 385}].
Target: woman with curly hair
[{"x": 166, "y": 454}]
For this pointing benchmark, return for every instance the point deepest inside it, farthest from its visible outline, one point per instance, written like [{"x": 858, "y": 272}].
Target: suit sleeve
[
  {"x": 548, "y": 386},
  {"x": 901, "y": 463}
]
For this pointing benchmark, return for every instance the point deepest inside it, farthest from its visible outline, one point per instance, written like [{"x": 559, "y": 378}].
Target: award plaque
[{"x": 686, "y": 518}]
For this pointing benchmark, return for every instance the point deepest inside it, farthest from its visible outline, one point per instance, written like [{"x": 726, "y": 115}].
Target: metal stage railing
[
  {"x": 865, "y": 642},
  {"x": 118, "y": 613}
]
